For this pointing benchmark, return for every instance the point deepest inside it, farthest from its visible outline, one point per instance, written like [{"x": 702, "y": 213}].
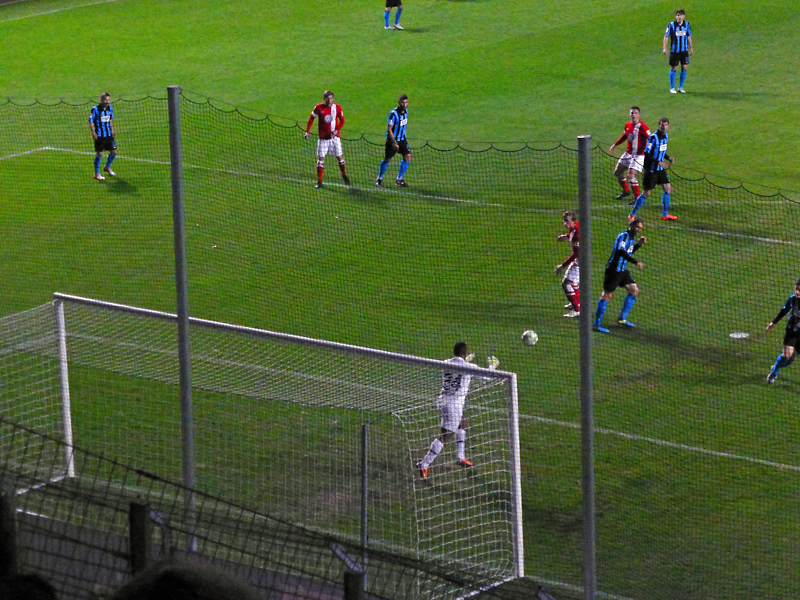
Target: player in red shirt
[
  {"x": 331, "y": 121},
  {"x": 632, "y": 160},
  {"x": 572, "y": 278}
]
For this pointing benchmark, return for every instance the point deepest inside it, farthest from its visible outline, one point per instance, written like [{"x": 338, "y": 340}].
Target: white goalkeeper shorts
[
  {"x": 333, "y": 145},
  {"x": 629, "y": 161},
  {"x": 451, "y": 411},
  {"x": 573, "y": 274}
]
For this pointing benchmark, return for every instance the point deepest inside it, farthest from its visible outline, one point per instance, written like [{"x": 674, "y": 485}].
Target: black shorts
[
  {"x": 391, "y": 150},
  {"x": 105, "y": 144},
  {"x": 651, "y": 180},
  {"x": 678, "y": 58},
  {"x": 616, "y": 279},
  {"x": 393, "y": 3},
  {"x": 791, "y": 337}
]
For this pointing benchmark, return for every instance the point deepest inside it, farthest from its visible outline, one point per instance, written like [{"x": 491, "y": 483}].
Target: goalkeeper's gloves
[
  {"x": 470, "y": 357},
  {"x": 492, "y": 363}
]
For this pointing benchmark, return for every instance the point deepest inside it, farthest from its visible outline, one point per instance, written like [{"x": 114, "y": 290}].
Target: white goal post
[{"x": 277, "y": 421}]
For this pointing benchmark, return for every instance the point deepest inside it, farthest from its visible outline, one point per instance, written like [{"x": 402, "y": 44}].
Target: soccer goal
[
  {"x": 34, "y": 388},
  {"x": 278, "y": 423}
]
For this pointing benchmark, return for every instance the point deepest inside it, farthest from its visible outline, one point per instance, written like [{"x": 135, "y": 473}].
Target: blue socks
[
  {"x": 665, "y": 204},
  {"x": 384, "y": 166},
  {"x": 671, "y": 73},
  {"x": 403, "y": 169},
  {"x": 683, "y": 78},
  {"x": 400, "y": 12},
  {"x": 600, "y": 311},
  {"x": 97, "y": 160},
  {"x": 386, "y": 14},
  {"x": 638, "y": 204},
  {"x": 780, "y": 363},
  {"x": 111, "y": 158},
  {"x": 626, "y": 307}
]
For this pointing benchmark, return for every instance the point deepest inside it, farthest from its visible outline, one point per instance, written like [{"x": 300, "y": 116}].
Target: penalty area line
[
  {"x": 666, "y": 444},
  {"x": 10, "y": 156},
  {"x": 57, "y": 10}
]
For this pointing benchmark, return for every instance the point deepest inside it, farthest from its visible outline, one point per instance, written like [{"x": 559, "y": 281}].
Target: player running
[
  {"x": 792, "y": 335},
  {"x": 331, "y": 121},
  {"x": 396, "y": 142},
  {"x": 101, "y": 124},
  {"x": 450, "y": 403},
  {"x": 631, "y": 161},
  {"x": 617, "y": 274},
  {"x": 572, "y": 277},
  {"x": 656, "y": 161}
]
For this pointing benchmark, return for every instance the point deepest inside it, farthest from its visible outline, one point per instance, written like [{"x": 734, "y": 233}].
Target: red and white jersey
[
  {"x": 331, "y": 120},
  {"x": 636, "y": 134},
  {"x": 574, "y": 238}
]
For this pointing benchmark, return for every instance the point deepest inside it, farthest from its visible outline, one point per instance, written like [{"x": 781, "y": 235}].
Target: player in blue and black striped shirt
[
  {"x": 791, "y": 338},
  {"x": 618, "y": 276},
  {"x": 101, "y": 124},
  {"x": 656, "y": 161},
  {"x": 396, "y": 142},
  {"x": 679, "y": 34}
]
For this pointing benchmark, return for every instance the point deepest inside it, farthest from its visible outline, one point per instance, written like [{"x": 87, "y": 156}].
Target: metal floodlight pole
[
  {"x": 587, "y": 386},
  {"x": 181, "y": 285}
]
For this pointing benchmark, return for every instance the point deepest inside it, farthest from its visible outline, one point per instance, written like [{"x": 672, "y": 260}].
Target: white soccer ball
[{"x": 530, "y": 337}]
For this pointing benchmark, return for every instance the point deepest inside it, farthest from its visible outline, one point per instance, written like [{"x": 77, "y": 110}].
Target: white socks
[{"x": 436, "y": 447}]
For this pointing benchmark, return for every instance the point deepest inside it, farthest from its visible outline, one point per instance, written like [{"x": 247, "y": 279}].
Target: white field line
[
  {"x": 57, "y": 10},
  {"x": 666, "y": 444},
  {"x": 431, "y": 196},
  {"x": 23, "y": 153}
]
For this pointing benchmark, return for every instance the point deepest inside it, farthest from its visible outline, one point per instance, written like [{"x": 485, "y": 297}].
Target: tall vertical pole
[
  {"x": 364, "y": 496},
  {"x": 181, "y": 285},
  {"x": 63, "y": 374},
  {"x": 587, "y": 385}
]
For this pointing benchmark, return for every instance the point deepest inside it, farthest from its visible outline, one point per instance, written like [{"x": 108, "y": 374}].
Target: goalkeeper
[
  {"x": 791, "y": 338},
  {"x": 450, "y": 403}
]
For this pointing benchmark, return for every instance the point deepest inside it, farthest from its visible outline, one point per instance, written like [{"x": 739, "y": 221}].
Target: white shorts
[
  {"x": 333, "y": 145},
  {"x": 451, "y": 411},
  {"x": 629, "y": 161},
  {"x": 573, "y": 274}
]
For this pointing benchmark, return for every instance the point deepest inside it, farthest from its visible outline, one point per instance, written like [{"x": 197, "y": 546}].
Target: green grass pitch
[{"x": 697, "y": 466}]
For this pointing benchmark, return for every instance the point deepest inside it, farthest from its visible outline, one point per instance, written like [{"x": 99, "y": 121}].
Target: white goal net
[{"x": 278, "y": 423}]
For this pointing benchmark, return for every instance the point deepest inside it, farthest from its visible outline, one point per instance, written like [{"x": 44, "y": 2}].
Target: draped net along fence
[{"x": 698, "y": 465}]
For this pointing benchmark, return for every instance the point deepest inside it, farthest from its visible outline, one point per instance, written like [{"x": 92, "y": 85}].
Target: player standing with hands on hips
[
  {"x": 396, "y": 142},
  {"x": 792, "y": 335},
  {"x": 679, "y": 34},
  {"x": 450, "y": 403},
  {"x": 331, "y": 121},
  {"x": 101, "y": 124}
]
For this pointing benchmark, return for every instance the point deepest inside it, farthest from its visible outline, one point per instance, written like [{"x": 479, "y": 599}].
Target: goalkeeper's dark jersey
[{"x": 792, "y": 308}]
